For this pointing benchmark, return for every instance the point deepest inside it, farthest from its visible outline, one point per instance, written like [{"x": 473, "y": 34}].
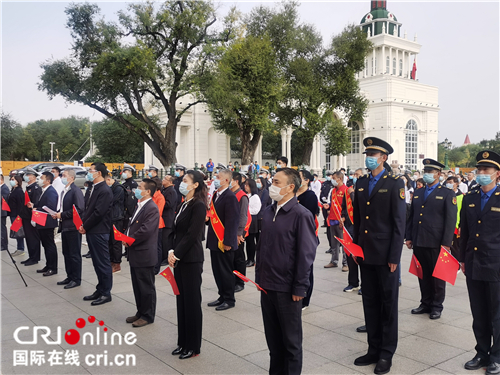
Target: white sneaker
[
  {"x": 305, "y": 307},
  {"x": 17, "y": 252}
]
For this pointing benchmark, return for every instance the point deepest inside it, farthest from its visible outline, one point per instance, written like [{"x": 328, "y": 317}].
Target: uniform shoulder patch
[
  {"x": 454, "y": 201},
  {"x": 402, "y": 193}
]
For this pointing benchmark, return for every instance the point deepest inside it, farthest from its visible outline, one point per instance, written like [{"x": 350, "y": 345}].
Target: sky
[{"x": 459, "y": 55}]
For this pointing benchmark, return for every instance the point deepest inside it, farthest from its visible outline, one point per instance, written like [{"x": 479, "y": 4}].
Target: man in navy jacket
[
  {"x": 285, "y": 253},
  {"x": 97, "y": 227},
  {"x": 5, "y": 195}
]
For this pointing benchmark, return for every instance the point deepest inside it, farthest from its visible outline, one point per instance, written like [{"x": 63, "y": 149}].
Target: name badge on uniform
[
  {"x": 496, "y": 209},
  {"x": 439, "y": 197},
  {"x": 361, "y": 189},
  {"x": 382, "y": 191},
  {"x": 415, "y": 197},
  {"x": 472, "y": 205}
]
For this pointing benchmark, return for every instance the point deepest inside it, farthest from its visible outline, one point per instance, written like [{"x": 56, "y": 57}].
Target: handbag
[{"x": 17, "y": 235}]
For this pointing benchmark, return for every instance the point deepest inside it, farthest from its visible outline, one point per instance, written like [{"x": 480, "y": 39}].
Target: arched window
[
  {"x": 387, "y": 65},
  {"x": 394, "y": 66},
  {"x": 411, "y": 145},
  {"x": 400, "y": 67},
  {"x": 354, "y": 137}
]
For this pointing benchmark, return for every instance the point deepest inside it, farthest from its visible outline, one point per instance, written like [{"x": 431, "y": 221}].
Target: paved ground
[{"x": 233, "y": 341}]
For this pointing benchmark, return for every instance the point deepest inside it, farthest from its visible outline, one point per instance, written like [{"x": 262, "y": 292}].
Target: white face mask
[{"x": 274, "y": 193}]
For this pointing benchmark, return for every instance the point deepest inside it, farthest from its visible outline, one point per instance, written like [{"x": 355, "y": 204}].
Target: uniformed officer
[
  {"x": 32, "y": 236},
  {"x": 180, "y": 170},
  {"x": 153, "y": 174},
  {"x": 127, "y": 175},
  {"x": 379, "y": 225},
  {"x": 431, "y": 224},
  {"x": 480, "y": 261}
]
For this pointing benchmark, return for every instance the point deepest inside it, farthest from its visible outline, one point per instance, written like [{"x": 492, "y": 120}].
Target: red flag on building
[
  {"x": 446, "y": 267},
  {"x": 350, "y": 247},
  {"x": 77, "y": 220},
  {"x": 121, "y": 237},
  {"x": 39, "y": 217},
  {"x": 246, "y": 279},
  {"x": 26, "y": 198},
  {"x": 416, "y": 268},
  {"x": 17, "y": 224},
  {"x": 414, "y": 69},
  {"x": 5, "y": 206},
  {"x": 167, "y": 274}
]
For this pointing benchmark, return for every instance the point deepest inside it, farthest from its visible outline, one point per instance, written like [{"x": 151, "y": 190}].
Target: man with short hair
[
  {"x": 117, "y": 216},
  {"x": 471, "y": 181},
  {"x": 32, "y": 236},
  {"x": 282, "y": 162},
  {"x": 210, "y": 168},
  {"x": 168, "y": 216},
  {"x": 180, "y": 170},
  {"x": 57, "y": 184},
  {"x": 285, "y": 254},
  {"x": 153, "y": 174},
  {"x": 97, "y": 227}
]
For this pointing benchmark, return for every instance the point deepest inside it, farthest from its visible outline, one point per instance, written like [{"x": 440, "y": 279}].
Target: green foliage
[
  {"x": 11, "y": 132},
  {"x": 271, "y": 144},
  {"x": 465, "y": 156},
  {"x": 337, "y": 137}
]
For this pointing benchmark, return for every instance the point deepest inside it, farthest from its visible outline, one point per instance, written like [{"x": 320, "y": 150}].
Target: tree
[
  {"x": 271, "y": 144},
  {"x": 11, "y": 134},
  {"x": 337, "y": 137},
  {"x": 130, "y": 70},
  {"x": 243, "y": 92}
]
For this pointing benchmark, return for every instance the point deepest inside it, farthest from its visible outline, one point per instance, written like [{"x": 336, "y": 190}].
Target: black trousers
[
  {"x": 143, "y": 284},
  {"x": 353, "y": 275},
  {"x": 222, "y": 268},
  {"x": 283, "y": 329},
  {"x": 432, "y": 289},
  {"x": 20, "y": 241},
  {"x": 71, "y": 249},
  {"x": 167, "y": 242},
  {"x": 5, "y": 235},
  {"x": 49, "y": 247},
  {"x": 115, "y": 247},
  {"x": 240, "y": 264},
  {"x": 99, "y": 250},
  {"x": 159, "y": 249},
  {"x": 455, "y": 246},
  {"x": 189, "y": 314},
  {"x": 484, "y": 297},
  {"x": 251, "y": 242},
  {"x": 307, "y": 298},
  {"x": 380, "y": 304},
  {"x": 32, "y": 240}
]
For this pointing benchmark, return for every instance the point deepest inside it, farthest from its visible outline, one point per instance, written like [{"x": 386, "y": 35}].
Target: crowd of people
[{"x": 272, "y": 223}]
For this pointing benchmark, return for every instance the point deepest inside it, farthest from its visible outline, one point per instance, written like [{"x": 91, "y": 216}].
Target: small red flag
[
  {"x": 446, "y": 267},
  {"x": 119, "y": 236},
  {"x": 39, "y": 217},
  {"x": 167, "y": 274},
  {"x": 349, "y": 247},
  {"x": 246, "y": 279},
  {"x": 416, "y": 268},
  {"x": 209, "y": 213},
  {"x": 17, "y": 224},
  {"x": 77, "y": 220},
  {"x": 26, "y": 198},
  {"x": 414, "y": 70},
  {"x": 5, "y": 206}
]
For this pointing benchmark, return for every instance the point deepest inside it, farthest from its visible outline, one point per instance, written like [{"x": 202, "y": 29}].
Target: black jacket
[
  {"x": 228, "y": 210},
  {"x": 5, "y": 195},
  {"x": 189, "y": 232},
  {"x": 144, "y": 229},
  {"x": 73, "y": 196},
  {"x": 50, "y": 199},
  {"x": 118, "y": 205},
  {"x": 34, "y": 192},
  {"x": 432, "y": 221},
  {"x": 97, "y": 216},
  {"x": 480, "y": 236},
  {"x": 379, "y": 219},
  {"x": 16, "y": 201},
  {"x": 170, "y": 205}
]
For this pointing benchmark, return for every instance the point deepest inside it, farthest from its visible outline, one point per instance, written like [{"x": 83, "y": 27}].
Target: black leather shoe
[
  {"x": 25, "y": 261},
  {"x": 87, "y": 255},
  {"x": 493, "y": 368},
  {"x": 92, "y": 297},
  {"x": 224, "y": 306},
  {"x": 177, "y": 351},
  {"x": 50, "y": 273},
  {"x": 71, "y": 284},
  {"x": 366, "y": 360},
  {"x": 250, "y": 263},
  {"x": 476, "y": 363},
  {"x": 43, "y": 270},
  {"x": 64, "y": 282},
  {"x": 435, "y": 315},
  {"x": 420, "y": 310},
  {"x": 101, "y": 300},
  {"x": 215, "y": 303},
  {"x": 383, "y": 366},
  {"x": 31, "y": 263},
  {"x": 238, "y": 288},
  {"x": 187, "y": 354},
  {"x": 361, "y": 329}
]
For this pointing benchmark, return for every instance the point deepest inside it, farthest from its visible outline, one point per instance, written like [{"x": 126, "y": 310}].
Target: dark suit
[
  {"x": 97, "y": 225},
  {"x": 71, "y": 238},
  {"x": 117, "y": 215},
  {"x": 31, "y": 234},
  {"x": 431, "y": 223},
  {"x": 168, "y": 218},
  {"x": 5, "y": 237},
  {"x": 480, "y": 251},
  {"x": 143, "y": 256},
  {"x": 228, "y": 210},
  {"x": 353, "y": 275},
  {"x": 16, "y": 203},
  {"x": 48, "y": 198},
  {"x": 379, "y": 226},
  {"x": 189, "y": 233}
]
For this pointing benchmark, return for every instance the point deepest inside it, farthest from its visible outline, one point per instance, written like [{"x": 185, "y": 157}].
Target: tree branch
[{"x": 178, "y": 118}]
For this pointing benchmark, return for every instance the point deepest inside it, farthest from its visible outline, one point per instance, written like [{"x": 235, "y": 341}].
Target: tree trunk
[
  {"x": 249, "y": 145},
  {"x": 306, "y": 156}
]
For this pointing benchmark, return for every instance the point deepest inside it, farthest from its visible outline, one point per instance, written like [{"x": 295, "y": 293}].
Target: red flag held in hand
[
  {"x": 446, "y": 267},
  {"x": 5, "y": 206},
  {"x": 77, "y": 220},
  {"x": 349, "y": 246},
  {"x": 167, "y": 274},
  {"x": 416, "y": 268},
  {"x": 17, "y": 224},
  {"x": 246, "y": 279},
  {"x": 119, "y": 236},
  {"x": 39, "y": 217},
  {"x": 26, "y": 198}
]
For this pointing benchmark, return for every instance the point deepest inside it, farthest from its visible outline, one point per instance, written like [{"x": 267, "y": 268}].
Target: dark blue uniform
[{"x": 32, "y": 236}]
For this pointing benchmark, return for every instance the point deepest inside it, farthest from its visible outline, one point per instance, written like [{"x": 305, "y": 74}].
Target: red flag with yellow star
[
  {"x": 17, "y": 224},
  {"x": 416, "y": 268},
  {"x": 39, "y": 217},
  {"x": 446, "y": 267},
  {"x": 26, "y": 198},
  {"x": 77, "y": 220},
  {"x": 349, "y": 247},
  {"x": 5, "y": 206},
  {"x": 119, "y": 236},
  {"x": 167, "y": 274}
]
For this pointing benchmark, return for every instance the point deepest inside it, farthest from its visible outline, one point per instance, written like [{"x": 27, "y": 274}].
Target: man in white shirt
[
  {"x": 57, "y": 184},
  {"x": 316, "y": 186}
]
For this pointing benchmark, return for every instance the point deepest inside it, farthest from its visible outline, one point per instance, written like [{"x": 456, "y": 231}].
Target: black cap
[
  {"x": 433, "y": 164},
  {"x": 488, "y": 158},
  {"x": 377, "y": 144}
]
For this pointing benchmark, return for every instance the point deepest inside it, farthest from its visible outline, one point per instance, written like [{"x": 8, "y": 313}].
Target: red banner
[
  {"x": 350, "y": 209},
  {"x": 39, "y": 217},
  {"x": 415, "y": 267},
  {"x": 77, "y": 220},
  {"x": 349, "y": 247},
  {"x": 5, "y": 206},
  {"x": 316, "y": 222},
  {"x": 119, "y": 236},
  {"x": 17, "y": 224},
  {"x": 217, "y": 226},
  {"x": 26, "y": 198},
  {"x": 446, "y": 267},
  {"x": 246, "y": 279},
  {"x": 167, "y": 274}
]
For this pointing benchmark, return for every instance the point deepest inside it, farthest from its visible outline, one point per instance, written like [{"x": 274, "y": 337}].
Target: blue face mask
[
  {"x": 441, "y": 178},
  {"x": 231, "y": 185},
  {"x": 259, "y": 185},
  {"x": 429, "y": 178},
  {"x": 484, "y": 179},
  {"x": 150, "y": 175},
  {"x": 177, "y": 174},
  {"x": 89, "y": 177},
  {"x": 64, "y": 180},
  {"x": 138, "y": 193},
  {"x": 124, "y": 175},
  {"x": 328, "y": 178},
  {"x": 183, "y": 188},
  {"x": 12, "y": 183},
  {"x": 278, "y": 166},
  {"x": 449, "y": 186},
  {"x": 354, "y": 179},
  {"x": 335, "y": 183},
  {"x": 26, "y": 178},
  {"x": 217, "y": 183},
  {"x": 371, "y": 162}
]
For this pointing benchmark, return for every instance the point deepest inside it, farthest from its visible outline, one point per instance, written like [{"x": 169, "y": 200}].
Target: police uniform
[
  {"x": 480, "y": 251},
  {"x": 178, "y": 180},
  {"x": 379, "y": 225},
  {"x": 431, "y": 224},
  {"x": 156, "y": 179},
  {"x": 129, "y": 183},
  {"x": 32, "y": 236}
]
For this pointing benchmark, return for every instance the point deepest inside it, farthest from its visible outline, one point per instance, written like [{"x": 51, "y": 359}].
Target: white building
[{"x": 401, "y": 110}]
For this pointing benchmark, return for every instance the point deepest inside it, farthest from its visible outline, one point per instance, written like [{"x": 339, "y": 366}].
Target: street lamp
[
  {"x": 52, "y": 151},
  {"x": 447, "y": 146}
]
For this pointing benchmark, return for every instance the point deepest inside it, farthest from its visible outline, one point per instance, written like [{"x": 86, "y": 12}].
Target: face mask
[
  {"x": 150, "y": 175},
  {"x": 441, "y": 178},
  {"x": 41, "y": 182},
  {"x": 449, "y": 186},
  {"x": 415, "y": 178},
  {"x": 274, "y": 193},
  {"x": 231, "y": 185},
  {"x": 26, "y": 178},
  {"x": 86, "y": 188},
  {"x": 350, "y": 177},
  {"x": 183, "y": 188},
  {"x": 90, "y": 177},
  {"x": 12, "y": 183},
  {"x": 64, "y": 180},
  {"x": 138, "y": 193},
  {"x": 335, "y": 183},
  {"x": 429, "y": 178},
  {"x": 124, "y": 175},
  {"x": 328, "y": 178},
  {"x": 177, "y": 174},
  {"x": 484, "y": 179},
  {"x": 278, "y": 166},
  {"x": 259, "y": 185},
  {"x": 371, "y": 162},
  {"x": 354, "y": 179},
  {"x": 217, "y": 183}
]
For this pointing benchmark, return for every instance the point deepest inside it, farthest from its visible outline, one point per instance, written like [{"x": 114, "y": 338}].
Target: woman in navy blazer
[
  {"x": 187, "y": 258},
  {"x": 16, "y": 202}
]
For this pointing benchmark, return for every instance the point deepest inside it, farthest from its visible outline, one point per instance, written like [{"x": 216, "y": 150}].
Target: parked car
[{"x": 38, "y": 167}]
